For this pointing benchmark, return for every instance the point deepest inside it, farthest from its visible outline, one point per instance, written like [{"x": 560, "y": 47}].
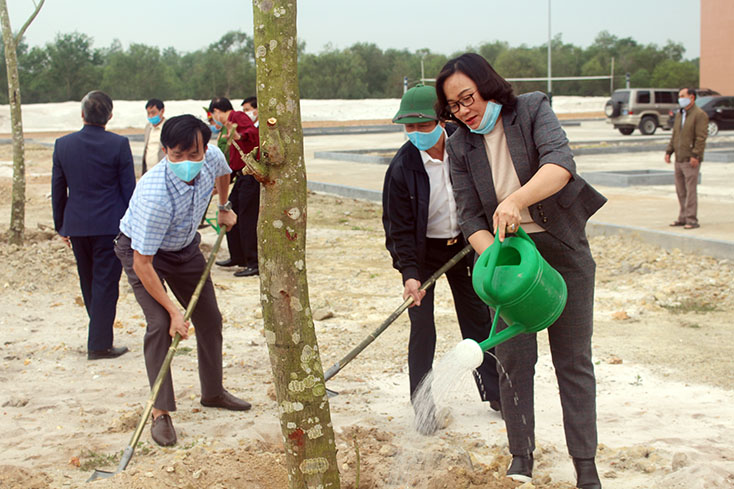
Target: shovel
[
  {"x": 130, "y": 449},
  {"x": 377, "y": 332}
]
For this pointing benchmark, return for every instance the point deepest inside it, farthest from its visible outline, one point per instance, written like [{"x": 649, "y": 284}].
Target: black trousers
[
  {"x": 99, "y": 278},
  {"x": 181, "y": 271},
  {"x": 242, "y": 238},
  {"x": 570, "y": 347},
  {"x": 472, "y": 313}
]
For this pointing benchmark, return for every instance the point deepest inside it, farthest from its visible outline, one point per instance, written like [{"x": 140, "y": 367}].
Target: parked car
[
  {"x": 719, "y": 109},
  {"x": 705, "y": 92},
  {"x": 642, "y": 108}
]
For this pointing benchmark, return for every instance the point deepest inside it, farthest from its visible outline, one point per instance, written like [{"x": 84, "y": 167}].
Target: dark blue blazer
[{"x": 92, "y": 181}]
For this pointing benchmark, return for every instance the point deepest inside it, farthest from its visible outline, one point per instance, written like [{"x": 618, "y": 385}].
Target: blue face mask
[
  {"x": 425, "y": 140},
  {"x": 214, "y": 128},
  {"x": 684, "y": 102},
  {"x": 155, "y": 120},
  {"x": 186, "y": 170},
  {"x": 491, "y": 114}
]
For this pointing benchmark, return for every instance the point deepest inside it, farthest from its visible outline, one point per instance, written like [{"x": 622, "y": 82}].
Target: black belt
[{"x": 442, "y": 241}]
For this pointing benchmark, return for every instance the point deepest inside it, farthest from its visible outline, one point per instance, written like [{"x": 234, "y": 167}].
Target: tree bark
[
  {"x": 305, "y": 418},
  {"x": 17, "y": 206}
]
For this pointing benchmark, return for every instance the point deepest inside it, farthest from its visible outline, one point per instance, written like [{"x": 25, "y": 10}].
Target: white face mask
[{"x": 251, "y": 114}]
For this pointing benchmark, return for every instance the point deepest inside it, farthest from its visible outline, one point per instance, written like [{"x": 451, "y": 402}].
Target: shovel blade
[{"x": 100, "y": 474}]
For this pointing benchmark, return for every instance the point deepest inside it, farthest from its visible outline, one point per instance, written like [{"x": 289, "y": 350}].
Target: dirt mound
[
  {"x": 255, "y": 466},
  {"x": 17, "y": 477}
]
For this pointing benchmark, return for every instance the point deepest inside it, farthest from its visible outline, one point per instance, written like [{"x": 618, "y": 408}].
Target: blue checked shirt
[{"x": 164, "y": 211}]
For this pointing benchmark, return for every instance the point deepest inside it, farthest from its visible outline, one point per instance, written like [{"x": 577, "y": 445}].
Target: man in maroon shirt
[{"x": 245, "y": 194}]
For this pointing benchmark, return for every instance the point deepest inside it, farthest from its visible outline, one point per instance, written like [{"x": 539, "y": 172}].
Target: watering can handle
[
  {"x": 486, "y": 261},
  {"x": 521, "y": 232}
]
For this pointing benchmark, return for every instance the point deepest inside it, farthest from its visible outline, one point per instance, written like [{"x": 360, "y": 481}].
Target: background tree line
[{"x": 70, "y": 66}]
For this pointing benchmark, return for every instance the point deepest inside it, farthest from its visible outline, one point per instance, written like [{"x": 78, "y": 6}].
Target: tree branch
[
  {"x": 252, "y": 166},
  {"x": 22, "y": 30}
]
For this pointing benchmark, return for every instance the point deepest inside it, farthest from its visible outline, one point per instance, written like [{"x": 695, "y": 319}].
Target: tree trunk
[
  {"x": 294, "y": 354},
  {"x": 17, "y": 206}
]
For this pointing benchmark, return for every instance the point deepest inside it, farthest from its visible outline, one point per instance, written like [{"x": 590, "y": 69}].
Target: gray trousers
[
  {"x": 181, "y": 271},
  {"x": 570, "y": 346},
  {"x": 686, "y": 181}
]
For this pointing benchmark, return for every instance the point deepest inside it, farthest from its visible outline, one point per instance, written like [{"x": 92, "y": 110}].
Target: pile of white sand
[{"x": 64, "y": 116}]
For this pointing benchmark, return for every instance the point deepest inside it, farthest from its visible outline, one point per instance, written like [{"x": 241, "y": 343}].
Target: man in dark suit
[{"x": 92, "y": 181}]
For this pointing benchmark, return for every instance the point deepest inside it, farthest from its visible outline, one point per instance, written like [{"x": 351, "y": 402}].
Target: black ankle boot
[
  {"x": 586, "y": 475},
  {"x": 521, "y": 468}
]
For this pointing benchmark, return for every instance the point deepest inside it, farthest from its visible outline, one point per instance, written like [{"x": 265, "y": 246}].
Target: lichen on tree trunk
[{"x": 289, "y": 330}]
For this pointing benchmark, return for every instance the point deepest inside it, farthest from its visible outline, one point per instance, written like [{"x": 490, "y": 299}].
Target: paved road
[{"x": 647, "y": 207}]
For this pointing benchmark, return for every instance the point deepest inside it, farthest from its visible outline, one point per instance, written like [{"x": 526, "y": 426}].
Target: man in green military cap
[{"x": 421, "y": 234}]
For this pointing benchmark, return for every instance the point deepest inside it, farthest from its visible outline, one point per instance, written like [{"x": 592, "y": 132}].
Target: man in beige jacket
[
  {"x": 687, "y": 142},
  {"x": 152, "y": 148}
]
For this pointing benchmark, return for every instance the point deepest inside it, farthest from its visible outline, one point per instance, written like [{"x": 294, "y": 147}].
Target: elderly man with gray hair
[{"x": 91, "y": 184}]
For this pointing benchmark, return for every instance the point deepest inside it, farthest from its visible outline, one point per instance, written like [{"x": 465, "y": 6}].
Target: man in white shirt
[
  {"x": 152, "y": 148},
  {"x": 422, "y": 233}
]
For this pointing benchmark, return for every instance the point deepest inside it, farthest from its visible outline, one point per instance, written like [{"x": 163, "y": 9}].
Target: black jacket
[{"x": 405, "y": 197}]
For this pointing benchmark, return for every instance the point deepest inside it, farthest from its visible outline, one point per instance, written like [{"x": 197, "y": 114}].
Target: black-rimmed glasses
[{"x": 465, "y": 101}]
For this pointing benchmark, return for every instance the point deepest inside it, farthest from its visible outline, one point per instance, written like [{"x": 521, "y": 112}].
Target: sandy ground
[{"x": 662, "y": 352}]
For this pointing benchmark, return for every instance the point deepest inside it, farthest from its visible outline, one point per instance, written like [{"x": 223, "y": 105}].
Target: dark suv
[
  {"x": 719, "y": 109},
  {"x": 643, "y": 108}
]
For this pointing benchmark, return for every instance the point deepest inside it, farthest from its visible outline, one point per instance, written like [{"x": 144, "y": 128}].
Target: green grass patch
[
  {"x": 93, "y": 460},
  {"x": 691, "y": 305}
]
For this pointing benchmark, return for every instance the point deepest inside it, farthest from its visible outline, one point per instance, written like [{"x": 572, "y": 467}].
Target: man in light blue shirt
[{"x": 158, "y": 245}]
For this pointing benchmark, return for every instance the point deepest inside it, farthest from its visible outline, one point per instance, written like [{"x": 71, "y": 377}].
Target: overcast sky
[{"x": 441, "y": 26}]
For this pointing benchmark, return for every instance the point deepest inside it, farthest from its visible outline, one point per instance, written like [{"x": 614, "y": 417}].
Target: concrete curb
[
  {"x": 330, "y": 131},
  {"x": 633, "y": 147},
  {"x": 360, "y": 156},
  {"x": 723, "y": 250},
  {"x": 345, "y": 191},
  {"x": 357, "y": 155}
]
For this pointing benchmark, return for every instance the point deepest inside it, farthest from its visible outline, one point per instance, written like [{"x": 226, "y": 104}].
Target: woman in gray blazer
[{"x": 511, "y": 166}]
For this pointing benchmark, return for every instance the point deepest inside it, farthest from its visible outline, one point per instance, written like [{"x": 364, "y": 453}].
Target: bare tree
[
  {"x": 17, "y": 208},
  {"x": 305, "y": 418}
]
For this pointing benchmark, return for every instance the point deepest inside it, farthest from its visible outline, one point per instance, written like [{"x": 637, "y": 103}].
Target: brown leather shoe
[
  {"x": 226, "y": 401},
  {"x": 162, "y": 431}
]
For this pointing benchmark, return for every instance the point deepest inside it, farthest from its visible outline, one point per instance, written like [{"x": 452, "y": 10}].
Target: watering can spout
[{"x": 495, "y": 339}]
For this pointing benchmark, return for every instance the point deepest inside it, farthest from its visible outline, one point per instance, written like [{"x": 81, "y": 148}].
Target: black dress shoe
[
  {"x": 521, "y": 468},
  {"x": 228, "y": 263},
  {"x": 113, "y": 352},
  {"x": 225, "y": 400},
  {"x": 162, "y": 431},
  {"x": 247, "y": 272},
  {"x": 586, "y": 475}
]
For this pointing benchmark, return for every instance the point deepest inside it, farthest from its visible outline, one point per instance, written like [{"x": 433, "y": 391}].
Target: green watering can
[{"x": 516, "y": 281}]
